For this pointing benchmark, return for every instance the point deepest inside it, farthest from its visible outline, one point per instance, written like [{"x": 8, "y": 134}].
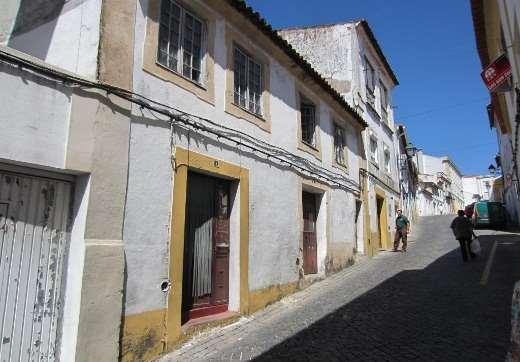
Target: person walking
[
  {"x": 463, "y": 230},
  {"x": 402, "y": 228}
]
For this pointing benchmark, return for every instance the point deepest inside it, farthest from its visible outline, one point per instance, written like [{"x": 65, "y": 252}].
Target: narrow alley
[{"x": 425, "y": 304}]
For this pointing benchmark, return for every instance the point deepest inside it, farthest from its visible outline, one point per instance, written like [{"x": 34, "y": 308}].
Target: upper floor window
[
  {"x": 339, "y": 145},
  {"x": 181, "y": 36},
  {"x": 308, "y": 122},
  {"x": 248, "y": 82},
  {"x": 369, "y": 76},
  {"x": 388, "y": 162},
  {"x": 373, "y": 150},
  {"x": 384, "y": 97}
]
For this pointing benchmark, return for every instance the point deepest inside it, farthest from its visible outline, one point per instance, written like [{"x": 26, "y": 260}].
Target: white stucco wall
[
  {"x": 338, "y": 52},
  {"x": 476, "y": 185},
  {"x": 274, "y": 190},
  {"x": 35, "y": 119},
  {"x": 69, "y": 40}
]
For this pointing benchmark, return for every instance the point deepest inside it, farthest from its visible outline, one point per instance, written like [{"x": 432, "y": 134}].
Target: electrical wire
[{"x": 193, "y": 122}]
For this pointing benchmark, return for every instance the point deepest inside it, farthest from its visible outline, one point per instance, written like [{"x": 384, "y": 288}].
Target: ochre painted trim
[
  {"x": 385, "y": 235},
  {"x": 188, "y": 160},
  {"x": 367, "y": 237},
  {"x": 205, "y": 91},
  {"x": 143, "y": 335},
  {"x": 236, "y": 39},
  {"x": 260, "y": 298}
]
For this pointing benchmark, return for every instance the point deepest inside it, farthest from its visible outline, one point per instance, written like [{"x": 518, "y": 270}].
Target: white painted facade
[
  {"x": 509, "y": 12},
  {"x": 497, "y": 29},
  {"x": 477, "y": 188},
  {"x": 343, "y": 53},
  {"x": 454, "y": 186},
  {"x": 61, "y": 33},
  {"x": 274, "y": 218},
  {"x": 440, "y": 186},
  {"x": 67, "y": 134},
  {"x": 35, "y": 122}
]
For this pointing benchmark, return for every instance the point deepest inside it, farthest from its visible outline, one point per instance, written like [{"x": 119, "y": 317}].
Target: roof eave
[
  {"x": 379, "y": 51},
  {"x": 268, "y": 30}
]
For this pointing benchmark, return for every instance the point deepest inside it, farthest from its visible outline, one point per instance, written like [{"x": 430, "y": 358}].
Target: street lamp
[
  {"x": 492, "y": 169},
  {"x": 410, "y": 149}
]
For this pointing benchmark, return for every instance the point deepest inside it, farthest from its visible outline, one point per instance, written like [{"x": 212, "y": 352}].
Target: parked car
[
  {"x": 487, "y": 214},
  {"x": 468, "y": 210}
]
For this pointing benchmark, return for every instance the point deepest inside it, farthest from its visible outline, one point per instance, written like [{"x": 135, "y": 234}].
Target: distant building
[
  {"x": 440, "y": 186},
  {"x": 477, "y": 188}
]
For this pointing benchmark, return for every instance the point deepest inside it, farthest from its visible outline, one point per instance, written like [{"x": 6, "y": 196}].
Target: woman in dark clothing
[{"x": 463, "y": 230}]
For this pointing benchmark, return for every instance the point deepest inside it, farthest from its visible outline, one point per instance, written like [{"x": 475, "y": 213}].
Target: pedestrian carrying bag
[{"x": 475, "y": 246}]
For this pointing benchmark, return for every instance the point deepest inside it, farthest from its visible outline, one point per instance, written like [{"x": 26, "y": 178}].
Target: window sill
[
  {"x": 313, "y": 150},
  {"x": 340, "y": 166},
  {"x": 197, "y": 84},
  {"x": 259, "y": 116},
  {"x": 261, "y": 122}
]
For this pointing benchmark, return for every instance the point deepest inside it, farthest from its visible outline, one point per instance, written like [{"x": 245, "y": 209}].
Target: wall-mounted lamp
[
  {"x": 492, "y": 169},
  {"x": 411, "y": 150}
]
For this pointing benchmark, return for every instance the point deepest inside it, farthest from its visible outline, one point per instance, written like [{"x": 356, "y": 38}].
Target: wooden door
[
  {"x": 379, "y": 220},
  {"x": 310, "y": 263},
  {"x": 206, "y": 247}
]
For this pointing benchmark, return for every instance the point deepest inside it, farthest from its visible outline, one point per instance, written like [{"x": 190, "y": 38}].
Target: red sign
[{"x": 496, "y": 73}]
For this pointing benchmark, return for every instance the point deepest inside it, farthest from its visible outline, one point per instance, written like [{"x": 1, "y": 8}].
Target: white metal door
[{"x": 33, "y": 241}]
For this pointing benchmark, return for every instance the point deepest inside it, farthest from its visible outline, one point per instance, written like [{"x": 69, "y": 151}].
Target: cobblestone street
[{"x": 425, "y": 305}]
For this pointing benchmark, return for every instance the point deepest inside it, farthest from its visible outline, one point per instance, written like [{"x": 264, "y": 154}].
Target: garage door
[{"x": 33, "y": 241}]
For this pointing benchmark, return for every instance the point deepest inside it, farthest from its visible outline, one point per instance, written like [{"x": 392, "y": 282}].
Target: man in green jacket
[{"x": 402, "y": 228}]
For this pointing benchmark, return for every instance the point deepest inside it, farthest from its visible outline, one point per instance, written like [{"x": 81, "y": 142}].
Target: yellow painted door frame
[
  {"x": 383, "y": 220},
  {"x": 370, "y": 250},
  {"x": 185, "y": 161}
]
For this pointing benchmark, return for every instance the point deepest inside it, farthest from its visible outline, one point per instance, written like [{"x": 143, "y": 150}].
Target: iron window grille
[
  {"x": 373, "y": 150},
  {"x": 339, "y": 144},
  {"x": 308, "y": 123},
  {"x": 247, "y": 82},
  {"x": 181, "y": 41}
]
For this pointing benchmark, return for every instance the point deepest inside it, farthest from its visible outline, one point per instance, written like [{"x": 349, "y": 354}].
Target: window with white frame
[
  {"x": 181, "y": 41},
  {"x": 388, "y": 160},
  {"x": 247, "y": 82},
  {"x": 339, "y": 144},
  {"x": 369, "y": 76},
  {"x": 308, "y": 122},
  {"x": 373, "y": 150}
]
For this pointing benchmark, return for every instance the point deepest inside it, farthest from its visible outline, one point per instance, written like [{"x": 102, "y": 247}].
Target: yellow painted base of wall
[
  {"x": 260, "y": 298},
  {"x": 144, "y": 336}
]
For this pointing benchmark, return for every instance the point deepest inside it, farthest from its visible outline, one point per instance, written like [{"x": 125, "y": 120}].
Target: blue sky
[{"x": 431, "y": 48}]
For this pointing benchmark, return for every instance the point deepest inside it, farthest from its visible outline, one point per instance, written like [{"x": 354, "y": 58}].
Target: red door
[
  {"x": 310, "y": 264},
  {"x": 206, "y": 247}
]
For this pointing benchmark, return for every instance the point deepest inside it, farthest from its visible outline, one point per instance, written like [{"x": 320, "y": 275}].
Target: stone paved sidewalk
[{"x": 421, "y": 305}]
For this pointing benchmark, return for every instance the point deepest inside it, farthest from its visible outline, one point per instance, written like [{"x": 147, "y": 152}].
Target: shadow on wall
[
  {"x": 31, "y": 15},
  {"x": 439, "y": 313}
]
